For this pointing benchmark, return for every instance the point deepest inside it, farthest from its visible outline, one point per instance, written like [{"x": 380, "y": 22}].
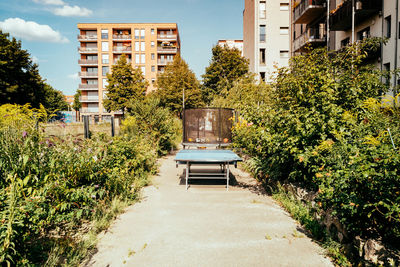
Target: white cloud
[
  {"x": 72, "y": 11},
  {"x": 31, "y": 31},
  {"x": 50, "y": 2},
  {"x": 74, "y": 76},
  {"x": 34, "y": 59}
]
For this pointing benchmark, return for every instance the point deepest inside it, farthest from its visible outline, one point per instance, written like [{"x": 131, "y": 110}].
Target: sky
[{"x": 48, "y": 29}]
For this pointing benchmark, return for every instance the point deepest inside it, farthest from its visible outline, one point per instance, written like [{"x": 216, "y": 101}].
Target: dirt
[{"x": 205, "y": 226}]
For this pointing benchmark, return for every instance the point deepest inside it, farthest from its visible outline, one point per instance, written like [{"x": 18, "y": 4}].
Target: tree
[
  {"x": 77, "y": 103},
  {"x": 124, "y": 84},
  {"x": 176, "y": 79},
  {"x": 54, "y": 99},
  {"x": 226, "y": 66},
  {"x": 20, "y": 82}
]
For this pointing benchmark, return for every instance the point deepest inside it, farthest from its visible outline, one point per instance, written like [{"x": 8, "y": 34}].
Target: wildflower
[
  {"x": 318, "y": 175},
  {"x": 24, "y": 134},
  {"x": 96, "y": 186},
  {"x": 301, "y": 158},
  {"x": 249, "y": 124},
  {"x": 93, "y": 196},
  {"x": 95, "y": 158}
]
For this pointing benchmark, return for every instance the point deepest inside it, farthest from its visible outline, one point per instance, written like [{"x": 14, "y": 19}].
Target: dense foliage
[
  {"x": 176, "y": 79},
  {"x": 77, "y": 102},
  {"x": 124, "y": 84},
  {"x": 226, "y": 66},
  {"x": 323, "y": 125},
  {"x": 49, "y": 187},
  {"x": 20, "y": 82}
]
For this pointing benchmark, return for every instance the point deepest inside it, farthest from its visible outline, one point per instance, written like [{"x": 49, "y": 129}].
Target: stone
[{"x": 372, "y": 250}]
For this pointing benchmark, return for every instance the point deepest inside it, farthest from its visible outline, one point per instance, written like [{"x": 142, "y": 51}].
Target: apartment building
[
  {"x": 238, "y": 44},
  {"x": 330, "y": 23},
  {"x": 266, "y": 41},
  {"x": 148, "y": 46}
]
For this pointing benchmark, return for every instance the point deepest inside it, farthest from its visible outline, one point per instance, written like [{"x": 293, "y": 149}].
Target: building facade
[
  {"x": 266, "y": 41},
  {"x": 238, "y": 44},
  {"x": 147, "y": 46},
  {"x": 329, "y": 23}
]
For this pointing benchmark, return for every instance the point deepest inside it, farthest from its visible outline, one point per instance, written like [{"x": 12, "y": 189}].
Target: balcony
[
  {"x": 88, "y": 62},
  {"x": 340, "y": 18},
  {"x": 88, "y": 87},
  {"x": 164, "y": 62},
  {"x": 87, "y": 50},
  {"x": 312, "y": 37},
  {"x": 128, "y": 60},
  {"x": 85, "y": 74},
  {"x": 122, "y": 49},
  {"x": 167, "y": 49},
  {"x": 167, "y": 37},
  {"x": 89, "y": 110},
  {"x": 89, "y": 99},
  {"x": 308, "y": 10},
  {"x": 87, "y": 37},
  {"x": 122, "y": 37}
]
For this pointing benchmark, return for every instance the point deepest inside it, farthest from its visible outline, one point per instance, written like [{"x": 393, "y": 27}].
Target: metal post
[
  {"x": 86, "y": 126},
  {"x": 394, "y": 147},
  {"x": 187, "y": 174},
  {"x": 327, "y": 24},
  {"x": 112, "y": 126},
  {"x": 396, "y": 37},
  {"x": 353, "y": 12},
  {"x": 227, "y": 176}
]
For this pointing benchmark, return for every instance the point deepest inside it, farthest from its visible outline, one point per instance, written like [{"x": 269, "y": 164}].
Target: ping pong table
[{"x": 223, "y": 158}]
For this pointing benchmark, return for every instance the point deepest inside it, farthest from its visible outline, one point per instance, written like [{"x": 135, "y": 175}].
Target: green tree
[
  {"x": 20, "y": 82},
  {"x": 176, "y": 79},
  {"x": 77, "y": 103},
  {"x": 54, "y": 99},
  {"x": 226, "y": 66},
  {"x": 124, "y": 84}
]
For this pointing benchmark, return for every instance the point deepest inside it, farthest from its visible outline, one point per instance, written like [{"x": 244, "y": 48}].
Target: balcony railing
[
  {"x": 88, "y": 74},
  {"x": 87, "y": 49},
  {"x": 89, "y": 110},
  {"x": 127, "y": 60},
  {"x": 340, "y": 18},
  {"x": 87, "y": 62},
  {"x": 93, "y": 99},
  {"x": 167, "y": 36},
  {"x": 86, "y": 86},
  {"x": 167, "y": 49},
  {"x": 83, "y": 37},
  {"x": 122, "y": 36},
  {"x": 122, "y": 49},
  {"x": 164, "y": 62},
  {"x": 312, "y": 36},
  {"x": 308, "y": 10}
]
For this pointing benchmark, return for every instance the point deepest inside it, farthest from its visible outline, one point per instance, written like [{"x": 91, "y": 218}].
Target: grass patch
[{"x": 303, "y": 214}]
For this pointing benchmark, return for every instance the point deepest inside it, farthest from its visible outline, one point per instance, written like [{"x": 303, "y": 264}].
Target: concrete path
[{"x": 205, "y": 226}]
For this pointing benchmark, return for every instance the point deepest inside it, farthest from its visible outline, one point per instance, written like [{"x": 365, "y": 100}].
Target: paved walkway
[{"x": 205, "y": 226}]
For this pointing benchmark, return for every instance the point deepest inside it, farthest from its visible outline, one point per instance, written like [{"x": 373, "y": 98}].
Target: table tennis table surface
[{"x": 204, "y": 155}]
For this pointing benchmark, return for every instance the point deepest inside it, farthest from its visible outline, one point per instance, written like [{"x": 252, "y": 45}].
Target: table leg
[
  {"x": 227, "y": 177},
  {"x": 187, "y": 174}
]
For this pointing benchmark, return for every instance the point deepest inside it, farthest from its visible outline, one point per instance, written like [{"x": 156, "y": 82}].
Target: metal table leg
[
  {"x": 227, "y": 176},
  {"x": 187, "y": 174}
]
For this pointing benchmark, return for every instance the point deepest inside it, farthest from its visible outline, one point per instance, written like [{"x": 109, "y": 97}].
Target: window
[
  {"x": 345, "y": 42},
  {"x": 104, "y": 46},
  {"x": 284, "y": 7},
  {"x": 388, "y": 26},
  {"x": 153, "y": 68},
  {"x": 137, "y": 44},
  {"x": 284, "y": 30},
  {"x": 284, "y": 53},
  {"x": 105, "y": 70},
  {"x": 105, "y": 82},
  {"x": 262, "y": 33},
  {"x": 92, "y": 70},
  {"x": 365, "y": 33},
  {"x": 263, "y": 10},
  {"x": 152, "y": 31},
  {"x": 143, "y": 58},
  {"x": 142, "y": 33},
  {"x": 105, "y": 59},
  {"x": 142, "y": 46},
  {"x": 137, "y": 58},
  {"x": 152, "y": 43},
  {"x": 386, "y": 68},
  {"x": 262, "y": 56},
  {"x": 262, "y": 76},
  {"x": 143, "y": 69},
  {"x": 153, "y": 56},
  {"x": 136, "y": 33},
  {"x": 104, "y": 34}
]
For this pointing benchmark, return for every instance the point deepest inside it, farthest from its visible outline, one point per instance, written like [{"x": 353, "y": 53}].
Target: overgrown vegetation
[
  {"x": 51, "y": 187},
  {"x": 323, "y": 125}
]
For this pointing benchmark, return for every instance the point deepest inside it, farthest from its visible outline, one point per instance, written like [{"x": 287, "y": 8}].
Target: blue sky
[{"x": 48, "y": 28}]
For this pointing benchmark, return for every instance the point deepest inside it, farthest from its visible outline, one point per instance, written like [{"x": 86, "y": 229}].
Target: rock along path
[{"x": 205, "y": 226}]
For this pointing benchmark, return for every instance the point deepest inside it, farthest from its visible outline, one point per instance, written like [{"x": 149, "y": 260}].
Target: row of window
[
  {"x": 263, "y": 8},
  {"x": 282, "y": 31},
  {"x": 139, "y": 33},
  {"x": 139, "y": 46},
  {"x": 282, "y": 54}
]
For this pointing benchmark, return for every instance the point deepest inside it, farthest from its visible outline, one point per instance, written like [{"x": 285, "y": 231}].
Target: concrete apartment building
[
  {"x": 148, "y": 46},
  {"x": 232, "y": 44},
  {"x": 373, "y": 18},
  {"x": 266, "y": 40}
]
